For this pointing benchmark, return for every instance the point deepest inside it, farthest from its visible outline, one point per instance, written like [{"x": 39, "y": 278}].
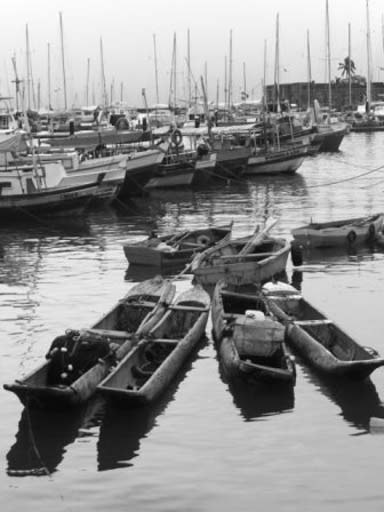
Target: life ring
[
  {"x": 203, "y": 240},
  {"x": 176, "y": 137},
  {"x": 371, "y": 232},
  {"x": 351, "y": 237}
]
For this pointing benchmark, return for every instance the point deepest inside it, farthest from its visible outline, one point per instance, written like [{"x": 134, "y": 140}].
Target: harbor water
[{"x": 204, "y": 446}]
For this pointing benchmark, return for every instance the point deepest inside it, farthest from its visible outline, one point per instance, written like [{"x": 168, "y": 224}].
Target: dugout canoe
[
  {"x": 77, "y": 361},
  {"x": 325, "y": 346},
  {"x": 347, "y": 232},
  {"x": 174, "y": 249},
  {"x": 249, "y": 338},
  {"x": 267, "y": 258},
  {"x": 148, "y": 369}
]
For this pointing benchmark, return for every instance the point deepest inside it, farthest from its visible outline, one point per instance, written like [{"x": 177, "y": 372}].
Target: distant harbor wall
[{"x": 297, "y": 93}]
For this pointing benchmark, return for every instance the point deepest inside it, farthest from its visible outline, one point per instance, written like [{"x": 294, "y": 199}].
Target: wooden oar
[{"x": 257, "y": 237}]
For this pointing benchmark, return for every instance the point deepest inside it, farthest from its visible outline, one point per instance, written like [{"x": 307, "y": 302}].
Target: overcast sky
[{"x": 127, "y": 28}]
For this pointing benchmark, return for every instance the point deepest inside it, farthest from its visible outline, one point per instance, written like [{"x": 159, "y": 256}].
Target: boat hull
[
  {"x": 58, "y": 201},
  {"x": 339, "y": 233},
  {"x": 249, "y": 340},
  {"x": 279, "y": 165},
  {"x": 149, "y": 251},
  {"x": 124, "y": 387},
  {"x": 33, "y": 390},
  {"x": 325, "y": 346},
  {"x": 244, "y": 271}
]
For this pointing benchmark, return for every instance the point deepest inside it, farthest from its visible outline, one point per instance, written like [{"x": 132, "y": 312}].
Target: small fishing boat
[
  {"x": 254, "y": 258},
  {"x": 147, "y": 370},
  {"x": 250, "y": 339},
  {"x": 77, "y": 361},
  {"x": 174, "y": 249},
  {"x": 319, "y": 340},
  {"x": 338, "y": 233},
  {"x": 37, "y": 184}
]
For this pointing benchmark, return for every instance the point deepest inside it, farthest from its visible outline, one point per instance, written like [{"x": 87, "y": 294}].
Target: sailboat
[
  {"x": 328, "y": 132},
  {"x": 270, "y": 150},
  {"x": 366, "y": 118}
]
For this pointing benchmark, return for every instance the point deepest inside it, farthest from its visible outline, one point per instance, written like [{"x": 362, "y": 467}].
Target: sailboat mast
[
  {"x": 206, "y": 77},
  {"x": 87, "y": 82},
  {"x": 104, "y": 85},
  {"x": 225, "y": 84},
  {"x": 189, "y": 69},
  {"x": 63, "y": 61},
  {"x": 277, "y": 66},
  {"x": 217, "y": 94},
  {"x": 369, "y": 98},
  {"x": 49, "y": 76},
  {"x": 174, "y": 73},
  {"x": 265, "y": 78},
  {"x": 28, "y": 68},
  {"x": 245, "y": 81},
  {"x": 156, "y": 72},
  {"x": 309, "y": 70},
  {"x": 349, "y": 67},
  {"x": 328, "y": 56},
  {"x": 230, "y": 73}
]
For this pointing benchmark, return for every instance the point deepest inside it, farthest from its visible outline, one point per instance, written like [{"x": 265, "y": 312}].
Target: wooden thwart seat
[
  {"x": 248, "y": 256},
  {"x": 141, "y": 304},
  {"x": 188, "y": 308},
  {"x": 324, "y": 321},
  {"x": 109, "y": 333}
]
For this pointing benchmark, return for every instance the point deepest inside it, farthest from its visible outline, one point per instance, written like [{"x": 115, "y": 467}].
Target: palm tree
[{"x": 347, "y": 67}]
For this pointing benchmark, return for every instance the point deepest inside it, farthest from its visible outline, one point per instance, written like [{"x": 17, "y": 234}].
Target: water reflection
[
  {"x": 337, "y": 255},
  {"x": 257, "y": 400},
  {"x": 122, "y": 430},
  {"x": 358, "y": 401},
  {"x": 43, "y": 436}
]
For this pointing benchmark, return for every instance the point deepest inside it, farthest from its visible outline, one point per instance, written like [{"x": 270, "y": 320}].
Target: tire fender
[{"x": 351, "y": 237}]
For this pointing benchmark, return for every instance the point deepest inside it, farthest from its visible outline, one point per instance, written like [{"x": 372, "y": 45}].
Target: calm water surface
[{"x": 204, "y": 446}]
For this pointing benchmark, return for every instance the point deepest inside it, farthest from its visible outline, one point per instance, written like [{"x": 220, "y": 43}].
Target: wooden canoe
[
  {"x": 148, "y": 369},
  {"x": 319, "y": 340},
  {"x": 223, "y": 261},
  {"x": 250, "y": 340},
  {"x": 118, "y": 330},
  {"x": 177, "y": 249},
  {"x": 339, "y": 233}
]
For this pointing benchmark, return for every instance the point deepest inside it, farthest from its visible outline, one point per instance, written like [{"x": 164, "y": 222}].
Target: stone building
[{"x": 297, "y": 93}]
